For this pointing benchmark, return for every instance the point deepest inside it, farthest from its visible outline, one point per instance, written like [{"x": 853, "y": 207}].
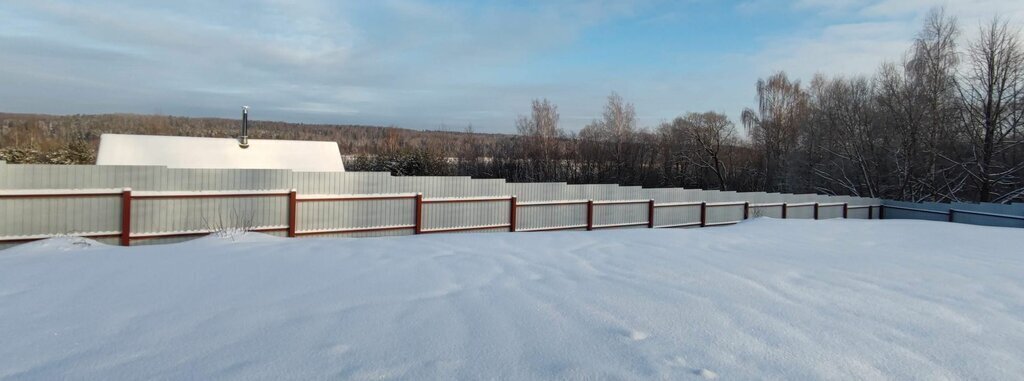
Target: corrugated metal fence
[
  {"x": 167, "y": 205},
  {"x": 1003, "y": 215}
]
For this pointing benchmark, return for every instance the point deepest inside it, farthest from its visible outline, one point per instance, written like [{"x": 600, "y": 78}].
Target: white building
[{"x": 191, "y": 152}]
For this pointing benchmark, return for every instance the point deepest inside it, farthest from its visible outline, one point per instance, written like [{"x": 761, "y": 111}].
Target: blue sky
[{"x": 439, "y": 64}]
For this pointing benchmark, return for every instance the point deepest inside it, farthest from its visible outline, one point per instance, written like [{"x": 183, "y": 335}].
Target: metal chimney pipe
[{"x": 243, "y": 141}]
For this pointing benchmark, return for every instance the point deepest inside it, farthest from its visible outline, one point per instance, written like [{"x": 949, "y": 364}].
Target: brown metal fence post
[
  {"x": 846, "y": 209},
  {"x": 951, "y": 215},
  {"x": 418, "y": 214},
  {"x": 293, "y": 208},
  {"x": 512, "y": 214},
  {"x": 703, "y": 214},
  {"x": 815, "y": 210},
  {"x": 590, "y": 214},
  {"x": 871, "y": 211},
  {"x": 881, "y": 212},
  {"x": 785, "y": 208},
  {"x": 126, "y": 217},
  {"x": 650, "y": 214},
  {"x": 746, "y": 210}
]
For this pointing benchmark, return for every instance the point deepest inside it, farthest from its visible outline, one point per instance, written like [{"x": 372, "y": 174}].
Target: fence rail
[
  {"x": 292, "y": 224},
  {"x": 950, "y": 213},
  {"x": 987, "y": 214}
]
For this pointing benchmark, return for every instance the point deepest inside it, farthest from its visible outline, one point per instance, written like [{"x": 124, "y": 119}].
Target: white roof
[{"x": 190, "y": 152}]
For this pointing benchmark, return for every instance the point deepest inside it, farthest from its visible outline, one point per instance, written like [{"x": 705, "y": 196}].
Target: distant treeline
[
  {"x": 945, "y": 123},
  {"x": 50, "y": 133}
]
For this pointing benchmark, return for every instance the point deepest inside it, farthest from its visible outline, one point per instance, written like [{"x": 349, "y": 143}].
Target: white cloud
[
  {"x": 967, "y": 10},
  {"x": 885, "y": 32},
  {"x": 850, "y": 49}
]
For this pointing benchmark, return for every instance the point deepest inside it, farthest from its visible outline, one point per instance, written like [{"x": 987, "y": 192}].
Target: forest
[{"x": 942, "y": 123}]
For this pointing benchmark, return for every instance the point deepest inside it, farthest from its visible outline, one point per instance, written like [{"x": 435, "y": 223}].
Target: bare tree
[
  {"x": 775, "y": 126},
  {"x": 902, "y": 125},
  {"x": 992, "y": 90},
  {"x": 541, "y": 128},
  {"x": 542, "y": 137},
  {"x": 918, "y": 102},
  {"x": 618, "y": 156},
  {"x": 710, "y": 135},
  {"x": 932, "y": 70},
  {"x": 843, "y": 118}
]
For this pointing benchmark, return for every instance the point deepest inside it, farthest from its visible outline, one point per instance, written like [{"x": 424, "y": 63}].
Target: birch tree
[{"x": 774, "y": 127}]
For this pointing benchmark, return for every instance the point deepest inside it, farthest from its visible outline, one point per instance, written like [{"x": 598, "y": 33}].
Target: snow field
[{"x": 766, "y": 299}]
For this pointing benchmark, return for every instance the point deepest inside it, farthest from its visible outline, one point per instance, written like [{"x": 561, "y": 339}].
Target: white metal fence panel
[
  {"x": 156, "y": 218},
  {"x": 85, "y": 215},
  {"x": 551, "y": 216},
  {"x": 160, "y": 216}
]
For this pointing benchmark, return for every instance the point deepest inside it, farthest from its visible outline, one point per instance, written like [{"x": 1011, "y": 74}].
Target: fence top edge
[
  {"x": 319, "y": 196},
  {"x": 831, "y": 203},
  {"x": 477, "y": 198},
  {"x": 57, "y": 192},
  {"x": 209, "y": 193},
  {"x": 553, "y": 202},
  {"x": 988, "y": 214},
  {"x": 917, "y": 209},
  {"x": 767, "y": 204},
  {"x": 609, "y": 202},
  {"x": 726, "y": 203},
  {"x": 801, "y": 204},
  {"x": 681, "y": 203}
]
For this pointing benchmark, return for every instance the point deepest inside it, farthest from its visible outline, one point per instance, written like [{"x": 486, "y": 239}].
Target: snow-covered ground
[{"x": 767, "y": 299}]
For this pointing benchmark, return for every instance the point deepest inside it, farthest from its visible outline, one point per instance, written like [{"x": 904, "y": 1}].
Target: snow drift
[{"x": 767, "y": 299}]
